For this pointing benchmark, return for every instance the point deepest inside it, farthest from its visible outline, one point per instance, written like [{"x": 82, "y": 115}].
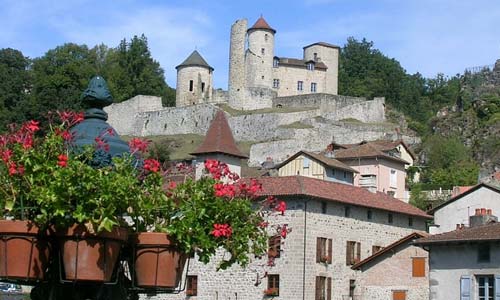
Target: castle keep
[{"x": 256, "y": 75}]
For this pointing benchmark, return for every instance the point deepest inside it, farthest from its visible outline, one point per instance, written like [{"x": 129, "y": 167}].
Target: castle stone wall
[
  {"x": 316, "y": 100},
  {"x": 220, "y": 96},
  {"x": 259, "y": 58}
]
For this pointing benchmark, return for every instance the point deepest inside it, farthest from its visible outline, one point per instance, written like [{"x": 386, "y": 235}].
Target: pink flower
[
  {"x": 62, "y": 160},
  {"x": 6, "y": 155},
  {"x": 138, "y": 145},
  {"x": 151, "y": 165},
  {"x": 222, "y": 230},
  {"x": 281, "y": 207},
  {"x": 70, "y": 118}
]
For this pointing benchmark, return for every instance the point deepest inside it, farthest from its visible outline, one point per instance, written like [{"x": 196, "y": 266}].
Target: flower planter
[
  {"x": 88, "y": 256},
  {"x": 157, "y": 262},
  {"x": 24, "y": 251}
]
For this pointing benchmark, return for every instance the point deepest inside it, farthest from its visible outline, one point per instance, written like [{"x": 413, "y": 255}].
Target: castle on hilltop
[{"x": 256, "y": 75}]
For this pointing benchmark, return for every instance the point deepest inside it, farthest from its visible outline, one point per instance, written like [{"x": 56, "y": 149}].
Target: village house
[
  {"x": 334, "y": 226},
  {"x": 465, "y": 263}
]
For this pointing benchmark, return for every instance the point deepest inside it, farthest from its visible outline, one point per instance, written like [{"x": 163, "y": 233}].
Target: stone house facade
[
  {"x": 460, "y": 208},
  {"x": 334, "y": 226}
]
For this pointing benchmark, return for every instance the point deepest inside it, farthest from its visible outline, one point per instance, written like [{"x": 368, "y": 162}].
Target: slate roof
[
  {"x": 365, "y": 151},
  {"x": 286, "y": 61},
  {"x": 331, "y": 162},
  {"x": 322, "y": 44},
  {"x": 219, "y": 138},
  {"x": 488, "y": 232},
  {"x": 195, "y": 59},
  {"x": 471, "y": 190},
  {"x": 261, "y": 24},
  {"x": 337, "y": 192},
  {"x": 407, "y": 239}
]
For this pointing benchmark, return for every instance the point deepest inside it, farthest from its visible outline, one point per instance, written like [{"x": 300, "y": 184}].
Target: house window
[
  {"x": 347, "y": 211},
  {"x": 276, "y": 62},
  {"x": 483, "y": 253},
  {"x": 262, "y": 51},
  {"x": 398, "y": 295},
  {"x": 369, "y": 214},
  {"x": 391, "y": 193},
  {"x": 323, "y": 207},
  {"x": 313, "y": 87},
  {"x": 323, "y": 288},
  {"x": 393, "y": 179},
  {"x": 410, "y": 221},
  {"x": 324, "y": 250},
  {"x": 274, "y": 246},
  {"x": 486, "y": 287},
  {"x": 376, "y": 249},
  {"x": 273, "y": 284},
  {"x": 191, "y": 83},
  {"x": 418, "y": 267},
  {"x": 310, "y": 66},
  {"x": 192, "y": 285},
  {"x": 306, "y": 162},
  {"x": 202, "y": 87},
  {"x": 345, "y": 175},
  {"x": 390, "y": 219},
  {"x": 353, "y": 252},
  {"x": 352, "y": 287},
  {"x": 276, "y": 83},
  {"x": 300, "y": 85}
]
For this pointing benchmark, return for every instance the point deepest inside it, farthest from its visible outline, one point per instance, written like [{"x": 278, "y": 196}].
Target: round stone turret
[
  {"x": 194, "y": 81},
  {"x": 260, "y": 54}
]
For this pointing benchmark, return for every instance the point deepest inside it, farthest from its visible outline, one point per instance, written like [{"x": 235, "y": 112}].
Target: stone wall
[
  {"x": 239, "y": 283},
  {"x": 315, "y": 100},
  {"x": 237, "y": 77},
  {"x": 289, "y": 76}
]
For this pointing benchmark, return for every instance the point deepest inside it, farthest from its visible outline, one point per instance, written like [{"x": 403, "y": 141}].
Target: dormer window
[
  {"x": 276, "y": 62},
  {"x": 310, "y": 66}
]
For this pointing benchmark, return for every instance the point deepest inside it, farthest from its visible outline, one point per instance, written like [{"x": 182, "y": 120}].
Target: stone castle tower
[
  {"x": 260, "y": 54},
  {"x": 194, "y": 81}
]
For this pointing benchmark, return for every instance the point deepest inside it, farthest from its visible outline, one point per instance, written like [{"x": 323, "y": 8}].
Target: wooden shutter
[
  {"x": 195, "y": 285},
  {"x": 348, "y": 253},
  {"x": 418, "y": 266},
  {"x": 329, "y": 251},
  {"x": 465, "y": 287},
  {"x": 329, "y": 289},
  {"x": 497, "y": 287},
  {"x": 318, "y": 288},
  {"x": 398, "y": 295},
  {"x": 318, "y": 249},
  {"x": 358, "y": 252}
]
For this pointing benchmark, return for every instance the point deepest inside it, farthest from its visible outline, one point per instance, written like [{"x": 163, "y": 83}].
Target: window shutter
[
  {"x": 329, "y": 289},
  {"x": 497, "y": 287},
  {"x": 348, "y": 253},
  {"x": 465, "y": 287},
  {"x": 418, "y": 267},
  {"x": 318, "y": 249},
  {"x": 318, "y": 288},
  {"x": 329, "y": 251},
  {"x": 358, "y": 252}
]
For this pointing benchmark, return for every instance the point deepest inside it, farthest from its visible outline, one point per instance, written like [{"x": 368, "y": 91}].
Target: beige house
[{"x": 316, "y": 166}]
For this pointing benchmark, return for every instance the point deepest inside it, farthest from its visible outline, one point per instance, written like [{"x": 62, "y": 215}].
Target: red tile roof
[
  {"x": 219, "y": 138},
  {"x": 488, "y": 232},
  {"x": 407, "y": 239},
  {"x": 261, "y": 24},
  {"x": 338, "y": 192},
  {"x": 367, "y": 150},
  {"x": 386, "y": 145}
]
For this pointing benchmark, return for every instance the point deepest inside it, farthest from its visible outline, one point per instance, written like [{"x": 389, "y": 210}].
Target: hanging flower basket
[
  {"x": 88, "y": 256},
  {"x": 24, "y": 251},
  {"x": 158, "y": 263}
]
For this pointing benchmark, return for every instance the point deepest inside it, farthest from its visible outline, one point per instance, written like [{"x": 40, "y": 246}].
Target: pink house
[{"x": 379, "y": 170}]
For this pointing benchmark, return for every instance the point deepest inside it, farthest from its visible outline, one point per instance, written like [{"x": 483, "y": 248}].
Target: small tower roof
[
  {"x": 219, "y": 138},
  {"x": 195, "y": 59},
  {"x": 262, "y": 24}
]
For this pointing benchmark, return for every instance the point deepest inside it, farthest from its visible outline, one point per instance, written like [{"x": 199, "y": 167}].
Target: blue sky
[{"x": 428, "y": 36}]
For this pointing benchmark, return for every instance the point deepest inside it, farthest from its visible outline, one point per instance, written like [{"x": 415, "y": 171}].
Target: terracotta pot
[
  {"x": 24, "y": 251},
  {"x": 87, "y": 256},
  {"x": 158, "y": 263}
]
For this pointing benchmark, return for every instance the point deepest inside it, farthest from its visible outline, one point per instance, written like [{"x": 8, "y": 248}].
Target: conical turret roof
[
  {"x": 195, "y": 59},
  {"x": 219, "y": 138},
  {"x": 262, "y": 24}
]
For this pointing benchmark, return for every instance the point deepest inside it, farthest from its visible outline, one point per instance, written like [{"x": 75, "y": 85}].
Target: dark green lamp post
[{"x": 94, "y": 129}]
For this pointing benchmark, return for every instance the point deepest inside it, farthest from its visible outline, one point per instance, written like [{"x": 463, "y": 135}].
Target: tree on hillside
[
  {"x": 131, "y": 70},
  {"x": 15, "y": 84}
]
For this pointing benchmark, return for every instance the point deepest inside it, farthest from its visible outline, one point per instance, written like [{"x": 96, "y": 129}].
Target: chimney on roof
[{"x": 482, "y": 216}]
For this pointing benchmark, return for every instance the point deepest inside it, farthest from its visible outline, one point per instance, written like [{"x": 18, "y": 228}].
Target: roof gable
[
  {"x": 325, "y": 161},
  {"x": 487, "y": 232},
  {"x": 219, "y": 138},
  {"x": 367, "y": 150}
]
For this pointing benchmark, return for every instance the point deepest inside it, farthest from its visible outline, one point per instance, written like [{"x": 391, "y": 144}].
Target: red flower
[
  {"x": 102, "y": 144},
  {"x": 138, "y": 145},
  {"x": 6, "y": 155},
  {"x": 223, "y": 230},
  {"x": 284, "y": 230},
  {"x": 172, "y": 185},
  {"x": 62, "y": 160},
  {"x": 151, "y": 165},
  {"x": 31, "y": 126},
  {"x": 281, "y": 207},
  {"x": 70, "y": 118},
  {"x": 224, "y": 190}
]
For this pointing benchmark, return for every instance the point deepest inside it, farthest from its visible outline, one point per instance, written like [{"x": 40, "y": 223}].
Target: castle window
[
  {"x": 276, "y": 83},
  {"x": 310, "y": 66},
  {"x": 315, "y": 55},
  {"x": 313, "y": 87},
  {"x": 300, "y": 85},
  {"x": 390, "y": 219},
  {"x": 276, "y": 62},
  {"x": 190, "y": 85},
  {"x": 262, "y": 50},
  {"x": 266, "y": 37},
  {"x": 273, "y": 284},
  {"x": 202, "y": 87}
]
